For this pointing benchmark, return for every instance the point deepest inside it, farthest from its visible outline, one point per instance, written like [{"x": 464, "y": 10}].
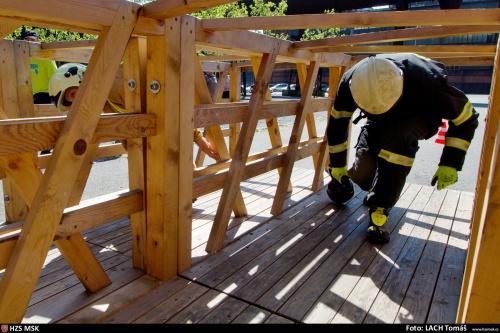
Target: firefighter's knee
[{"x": 363, "y": 171}]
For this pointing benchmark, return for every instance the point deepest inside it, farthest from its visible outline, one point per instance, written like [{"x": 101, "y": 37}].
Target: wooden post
[
  {"x": 134, "y": 68},
  {"x": 170, "y": 153},
  {"x": 480, "y": 290},
  {"x": 16, "y": 208},
  {"x": 30, "y": 251}
]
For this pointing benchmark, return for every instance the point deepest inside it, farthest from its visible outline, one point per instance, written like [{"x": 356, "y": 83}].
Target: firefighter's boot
[{"x": 376, "y": 233}]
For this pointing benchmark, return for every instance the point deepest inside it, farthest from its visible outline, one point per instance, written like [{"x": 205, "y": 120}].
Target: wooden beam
[
  {"x": 296, "y": 134},
  {"x": 465, "y": 61},
  {"x": 185, "y": 172},
  {"x": 220, "y": 114},
  {"x": 162, "y": 155},
  {"x": 104, "y": 151},
  {"x": 134, "y": 67},
  {"x": 25, "y": 265},
  {"x": 272, "y": 123},
  {"x": 426, "y": 50},
  {"x": 250, "y": 44},
  {"x": 69, "y": 45},
  {"x": 359, "y": 20},
  {"x": 480, "y": 291},
  {"x": 212, "y": 178},
  {"x": 7, "y": 28},
  {"x": 89, "y": 214},
  {"x": 310, "y": 121},
  {"x": 163, "y": 9},
  {"x": 82, "y": 55},
  {"x": 397, "y": 35},
  {"x": 33, "y": 135},
  {"x": 209, "y": 65},
  {"x": 238, "y": 40},
  {"x": 98, "y": 211},
  {"x": 11, "y": 56},
  {"x": 225, "y": 57},
  {"x": 72, "y": 15},
  {"x": 215, "y": 168}
]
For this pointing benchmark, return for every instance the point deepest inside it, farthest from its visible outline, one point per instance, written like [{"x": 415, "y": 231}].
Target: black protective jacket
[{"x": 426, "y": 95}]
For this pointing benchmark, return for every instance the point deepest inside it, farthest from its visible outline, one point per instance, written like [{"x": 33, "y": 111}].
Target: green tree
[
  {"x": 313, "y": 34},
  {"x": 258, "y": 8},
  {"x": 269, "y": 8},
  {"x": 51, "y": 35},
  {"x": 229, "y": 10}
]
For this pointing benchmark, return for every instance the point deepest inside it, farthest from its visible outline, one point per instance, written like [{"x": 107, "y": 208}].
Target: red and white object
[{"x": 441, "y": 134}]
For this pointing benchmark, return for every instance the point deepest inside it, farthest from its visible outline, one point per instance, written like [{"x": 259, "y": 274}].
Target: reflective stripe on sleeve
[
  {"x": 340, "y": 114},
  {"x": 464, "y": 116},
  {"x": 396, "y": 158},
  {"x": 457, "y": 143},
  {"x": 338, "y": 148}
]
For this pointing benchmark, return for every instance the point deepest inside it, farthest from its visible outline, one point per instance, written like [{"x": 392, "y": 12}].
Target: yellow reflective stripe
[
  {"x": 338, "y": 148},
  {"x": 116, "y": 107},
  {"x": 396, "y": 158},
  {"x": 340, "y": 114},
  {"x": 457, "y": 143},
  {"x": 422, "y": 57},
  {"x": 466, "y": 114}
]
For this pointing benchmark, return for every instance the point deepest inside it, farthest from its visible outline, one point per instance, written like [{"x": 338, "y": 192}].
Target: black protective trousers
[{"x": 383, "y": 179}]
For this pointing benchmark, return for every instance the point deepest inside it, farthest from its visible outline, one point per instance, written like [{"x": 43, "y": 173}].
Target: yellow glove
[
  {"x": 445, "y": 176},
  {"x": 337, "y": 173}
]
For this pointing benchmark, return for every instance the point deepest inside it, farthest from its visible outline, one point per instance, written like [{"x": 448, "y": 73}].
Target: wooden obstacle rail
[{"x": 41, "y": 132}]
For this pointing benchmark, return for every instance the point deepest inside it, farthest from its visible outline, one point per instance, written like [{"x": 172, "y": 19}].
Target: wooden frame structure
[{"x": 158, "y": 43}]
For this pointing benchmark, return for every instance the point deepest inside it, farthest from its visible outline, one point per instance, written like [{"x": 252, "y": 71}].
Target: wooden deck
[{"x": 310, "y": 264}]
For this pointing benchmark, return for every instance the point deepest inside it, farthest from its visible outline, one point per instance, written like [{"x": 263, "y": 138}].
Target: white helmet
[
  {"x": 376, "y": 85},
  {"x": 68, "y": 75}
]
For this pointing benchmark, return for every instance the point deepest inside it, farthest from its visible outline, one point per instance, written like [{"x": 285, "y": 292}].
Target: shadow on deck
[{"x": 310, "y": 264}]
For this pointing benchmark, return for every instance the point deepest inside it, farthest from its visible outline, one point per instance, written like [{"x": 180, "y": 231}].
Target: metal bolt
[
  {"x": 155, "y": 87},
  {"x": 131, "y": 84},
  {"x": 6, "y": 198}
]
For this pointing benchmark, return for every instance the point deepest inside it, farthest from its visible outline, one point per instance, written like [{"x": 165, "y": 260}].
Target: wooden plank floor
[{"x": 310, "y": 264}]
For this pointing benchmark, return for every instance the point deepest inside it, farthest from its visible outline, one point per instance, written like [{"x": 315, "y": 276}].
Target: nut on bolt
[
  {"x": 155, "y": 87},
  {"x": 131, "y": 84}
]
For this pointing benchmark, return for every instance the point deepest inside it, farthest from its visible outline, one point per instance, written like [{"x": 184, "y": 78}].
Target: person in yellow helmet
[
  {"x": 404, "y": 98},
  {"x": 64, "y": 85}
]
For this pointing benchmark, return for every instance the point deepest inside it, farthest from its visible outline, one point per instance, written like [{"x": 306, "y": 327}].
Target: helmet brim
[{"x": 60, "y": 104}]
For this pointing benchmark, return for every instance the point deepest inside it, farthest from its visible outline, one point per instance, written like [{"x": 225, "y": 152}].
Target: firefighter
[{"x": 404, "y": 98}]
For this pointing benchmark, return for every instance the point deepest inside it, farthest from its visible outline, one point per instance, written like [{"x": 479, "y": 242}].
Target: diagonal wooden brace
[{"x": 56, "y": 186}]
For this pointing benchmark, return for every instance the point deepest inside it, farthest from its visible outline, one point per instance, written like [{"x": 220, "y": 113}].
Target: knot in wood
[
  {"x": 13, "y": 165},
  {"x": 80, "y": 147}
]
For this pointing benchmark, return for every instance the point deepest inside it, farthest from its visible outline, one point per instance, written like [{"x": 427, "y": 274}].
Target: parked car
[
  {"x": 324, "y": 87},
  {"x": 279, "y": 87},
  {"x": 249, "y": 89}
]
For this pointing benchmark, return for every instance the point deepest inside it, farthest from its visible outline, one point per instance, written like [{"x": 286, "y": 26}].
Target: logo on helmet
[{"x": 73, "y": 71}]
